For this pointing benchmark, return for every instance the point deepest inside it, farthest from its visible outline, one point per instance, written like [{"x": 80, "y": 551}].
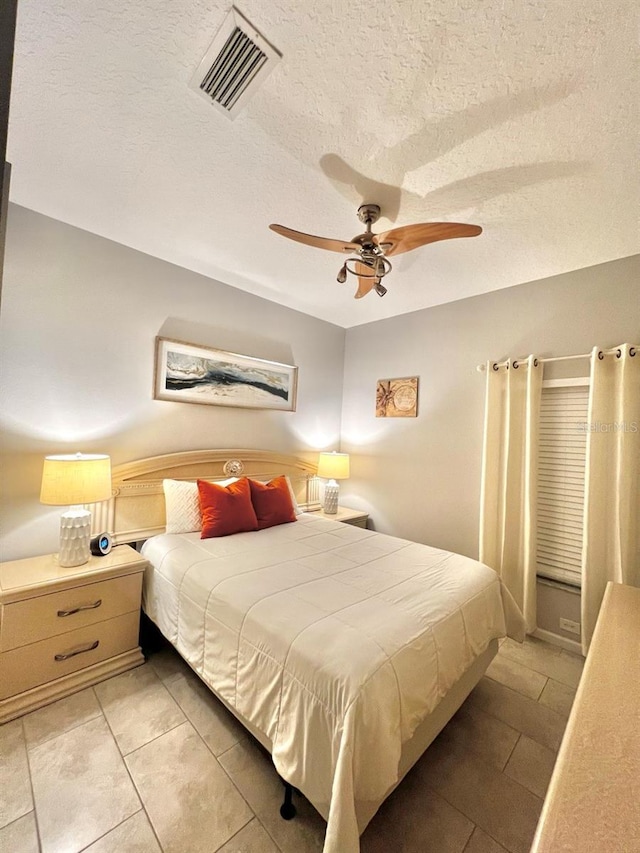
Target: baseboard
[
  {"x": 557, "y": 640},
  {"x": 45, "y": 694}
]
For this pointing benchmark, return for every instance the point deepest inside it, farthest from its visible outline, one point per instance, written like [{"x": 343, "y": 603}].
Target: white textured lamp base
[
  {"x": 75, "y": 537},
  {"x": 331, "y": 491}
]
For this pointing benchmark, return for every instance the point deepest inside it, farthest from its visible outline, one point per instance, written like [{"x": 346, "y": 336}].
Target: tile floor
[{"x": 150, "y": 761}]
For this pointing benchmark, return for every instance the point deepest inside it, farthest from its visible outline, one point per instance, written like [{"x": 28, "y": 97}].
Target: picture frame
[
  {"x": 397, "y": 398},
  {"x": 191, "y": 373}
]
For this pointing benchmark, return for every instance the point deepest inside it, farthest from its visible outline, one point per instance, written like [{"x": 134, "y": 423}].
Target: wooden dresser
[
  {"x": 593, "y": 800},
  {"x": 62, "y": 629}
]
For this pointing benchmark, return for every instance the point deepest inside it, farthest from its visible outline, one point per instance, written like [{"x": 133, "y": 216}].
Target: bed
[{"x": 342, "y": 650}]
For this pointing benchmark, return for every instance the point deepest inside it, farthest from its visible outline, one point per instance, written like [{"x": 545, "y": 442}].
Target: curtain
[
  {"x": 508, "y": 491},
  {"x": 611, "y": 544}
]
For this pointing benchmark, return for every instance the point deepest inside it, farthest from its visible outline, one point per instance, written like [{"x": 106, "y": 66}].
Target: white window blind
[{"x": 561, "y": 469}]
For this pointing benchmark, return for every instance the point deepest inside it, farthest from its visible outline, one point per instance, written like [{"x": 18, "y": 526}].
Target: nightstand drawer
[
  {"x": 34, "y": 619},
  {"x": 28, "y": 666},
  {"x": 354, "y": 517},
  {"x": 357, "y": 522}
]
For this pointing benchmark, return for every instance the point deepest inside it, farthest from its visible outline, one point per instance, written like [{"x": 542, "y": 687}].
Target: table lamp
[
  {"x": 333, "y": 466},
  {"x": 73, "y": 480}
]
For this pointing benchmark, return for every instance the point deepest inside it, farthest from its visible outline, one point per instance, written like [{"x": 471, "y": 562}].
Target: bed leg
[{"x": 287, "y": 809}]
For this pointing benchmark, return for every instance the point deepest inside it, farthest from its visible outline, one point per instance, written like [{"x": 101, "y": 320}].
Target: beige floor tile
[
  {"x": 252, "y": 771},
  {"x": 190, "y": 801},
  {"x": 480, "y": 842},
  {"x": 481, "y": 733},
  {"x": 218, "y": 728},
  {"x": 531, "y": 765},
  {"x": 168, "y": 663},
  {"x": 60, "y": 717},
  {"x": 558, "y": 697},
  {"x": 253, "y": 838},
  {"x": 501, "y": 807},
  {"x": 81, "y": 787},
  {"x": 138, "y": 707},
  {"x": 516, "y": 676},
  {"x": 546, "y": 659},
  {"x": 414, "y": 820},
  {"x": 15, "y": 799},
  {"x": 21, "y": 836},
  {"x": 521, "y": 713},
  {"x": 134, "y": 835}
]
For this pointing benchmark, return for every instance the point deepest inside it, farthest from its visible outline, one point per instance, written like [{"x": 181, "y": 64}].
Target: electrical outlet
[{"x": 570, "y": 626}]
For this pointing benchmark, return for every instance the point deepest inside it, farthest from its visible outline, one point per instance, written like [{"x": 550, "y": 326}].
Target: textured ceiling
[{"x": 521, "y": 117}]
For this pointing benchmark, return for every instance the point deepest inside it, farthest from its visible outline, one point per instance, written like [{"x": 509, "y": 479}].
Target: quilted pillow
[
  {"x": 226, "y": 509},
  {"x": 272, "y": 502},
  {"x": 182, "y": 505}
]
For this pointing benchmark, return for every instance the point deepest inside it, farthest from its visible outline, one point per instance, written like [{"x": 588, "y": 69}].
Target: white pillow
[
  {"x": 296, "y": 508},
  {"x": 182, "y": 505}
]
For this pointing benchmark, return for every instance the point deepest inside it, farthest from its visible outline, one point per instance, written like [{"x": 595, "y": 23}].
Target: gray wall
[
  {"x": 79, "y": 319},
  {"x": 420, "y": 478}
]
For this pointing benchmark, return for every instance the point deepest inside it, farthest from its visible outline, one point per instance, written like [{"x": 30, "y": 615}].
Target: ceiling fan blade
[
  {"x": 410, "y": 237},
  {"x": 366, "y": 282},
  {"x": 319, "y": 242}
]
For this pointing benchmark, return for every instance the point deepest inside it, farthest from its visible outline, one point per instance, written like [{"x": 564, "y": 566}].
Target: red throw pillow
[
  {"x": 226, "y": 509},
  {"x": 272, "y": 502}
]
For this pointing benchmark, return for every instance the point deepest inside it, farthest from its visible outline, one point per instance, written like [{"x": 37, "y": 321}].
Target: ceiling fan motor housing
[{"x": 369, "y": 213}]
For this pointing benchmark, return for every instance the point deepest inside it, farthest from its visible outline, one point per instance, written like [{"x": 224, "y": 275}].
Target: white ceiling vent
[{"x": 234, "y": 67}]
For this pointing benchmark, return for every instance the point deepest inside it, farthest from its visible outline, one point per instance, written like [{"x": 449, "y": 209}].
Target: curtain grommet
[{"x": 600, "y": 355}]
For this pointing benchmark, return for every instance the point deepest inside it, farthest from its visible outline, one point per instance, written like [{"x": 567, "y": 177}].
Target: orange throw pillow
[
  {"x": 272, "y": 502},
  {"x": 226, "y": 509}
]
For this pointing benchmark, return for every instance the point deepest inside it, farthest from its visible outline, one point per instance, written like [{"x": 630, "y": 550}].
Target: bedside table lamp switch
[
  {"x": 332, "y": 466},
  {"x": 74, "y": 480}
]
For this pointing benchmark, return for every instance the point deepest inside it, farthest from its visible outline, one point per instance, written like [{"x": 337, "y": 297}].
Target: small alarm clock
[{"x": 101, "y": 544}]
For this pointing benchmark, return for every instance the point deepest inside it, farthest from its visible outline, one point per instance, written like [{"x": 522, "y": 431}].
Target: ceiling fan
[{"x": 370, "y": 252}]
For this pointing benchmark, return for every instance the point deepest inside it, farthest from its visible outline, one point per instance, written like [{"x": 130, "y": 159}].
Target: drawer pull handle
[
  {"x": 78, "y": 652},
  {"x": 82, "y": 607}
]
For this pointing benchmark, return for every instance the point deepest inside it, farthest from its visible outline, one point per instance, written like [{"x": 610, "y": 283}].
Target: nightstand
[
  {"x": 62, "y": 629},
  {"x": 355, "y": 517}
]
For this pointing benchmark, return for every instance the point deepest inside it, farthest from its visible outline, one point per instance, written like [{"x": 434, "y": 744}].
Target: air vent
[{"x": 237, "y": 62}]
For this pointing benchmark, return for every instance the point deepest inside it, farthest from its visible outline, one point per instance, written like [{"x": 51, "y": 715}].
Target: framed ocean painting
[{"x": 188, "y": 373}]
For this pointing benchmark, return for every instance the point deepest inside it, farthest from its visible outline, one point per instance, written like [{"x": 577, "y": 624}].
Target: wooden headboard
[{"x": 137, "y": 510}]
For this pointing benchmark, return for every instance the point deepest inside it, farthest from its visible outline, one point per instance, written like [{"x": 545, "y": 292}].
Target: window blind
[{"x": 561, "y": 471}]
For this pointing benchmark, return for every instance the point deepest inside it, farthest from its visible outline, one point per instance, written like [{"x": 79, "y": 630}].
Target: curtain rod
[
  {"x": 617, "y": 350},
  {"x": 482, "y": 367}
]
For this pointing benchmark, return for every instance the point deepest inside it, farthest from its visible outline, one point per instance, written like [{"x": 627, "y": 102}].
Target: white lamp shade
[
  {"x": 75, "y": 479},
  {"x": 333, "y": 466}
]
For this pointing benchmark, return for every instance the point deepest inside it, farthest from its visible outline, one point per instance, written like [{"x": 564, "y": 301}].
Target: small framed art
[
  {"x": 397, "y": 398},
  {"x": 188, "y": 373}
]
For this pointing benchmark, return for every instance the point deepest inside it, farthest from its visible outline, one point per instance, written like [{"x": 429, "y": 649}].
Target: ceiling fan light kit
[{"x": 369, "y": 262}]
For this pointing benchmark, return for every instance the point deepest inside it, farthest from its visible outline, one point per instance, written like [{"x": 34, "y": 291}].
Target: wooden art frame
[
  {"x": 190, "y": 373},
  {"x": 397, "y": 398}
]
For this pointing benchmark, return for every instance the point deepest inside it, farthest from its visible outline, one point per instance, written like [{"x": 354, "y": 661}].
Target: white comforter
[{"x": 334, "y": 641}]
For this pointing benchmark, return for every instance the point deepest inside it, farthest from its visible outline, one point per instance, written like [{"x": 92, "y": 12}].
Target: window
[{"x": 561, "y": 469}]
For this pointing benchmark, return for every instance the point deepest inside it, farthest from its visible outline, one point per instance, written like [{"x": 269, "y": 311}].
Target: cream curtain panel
[
  {"x": 611, "y": 546},
  {"x": 508, "y": 492}
]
